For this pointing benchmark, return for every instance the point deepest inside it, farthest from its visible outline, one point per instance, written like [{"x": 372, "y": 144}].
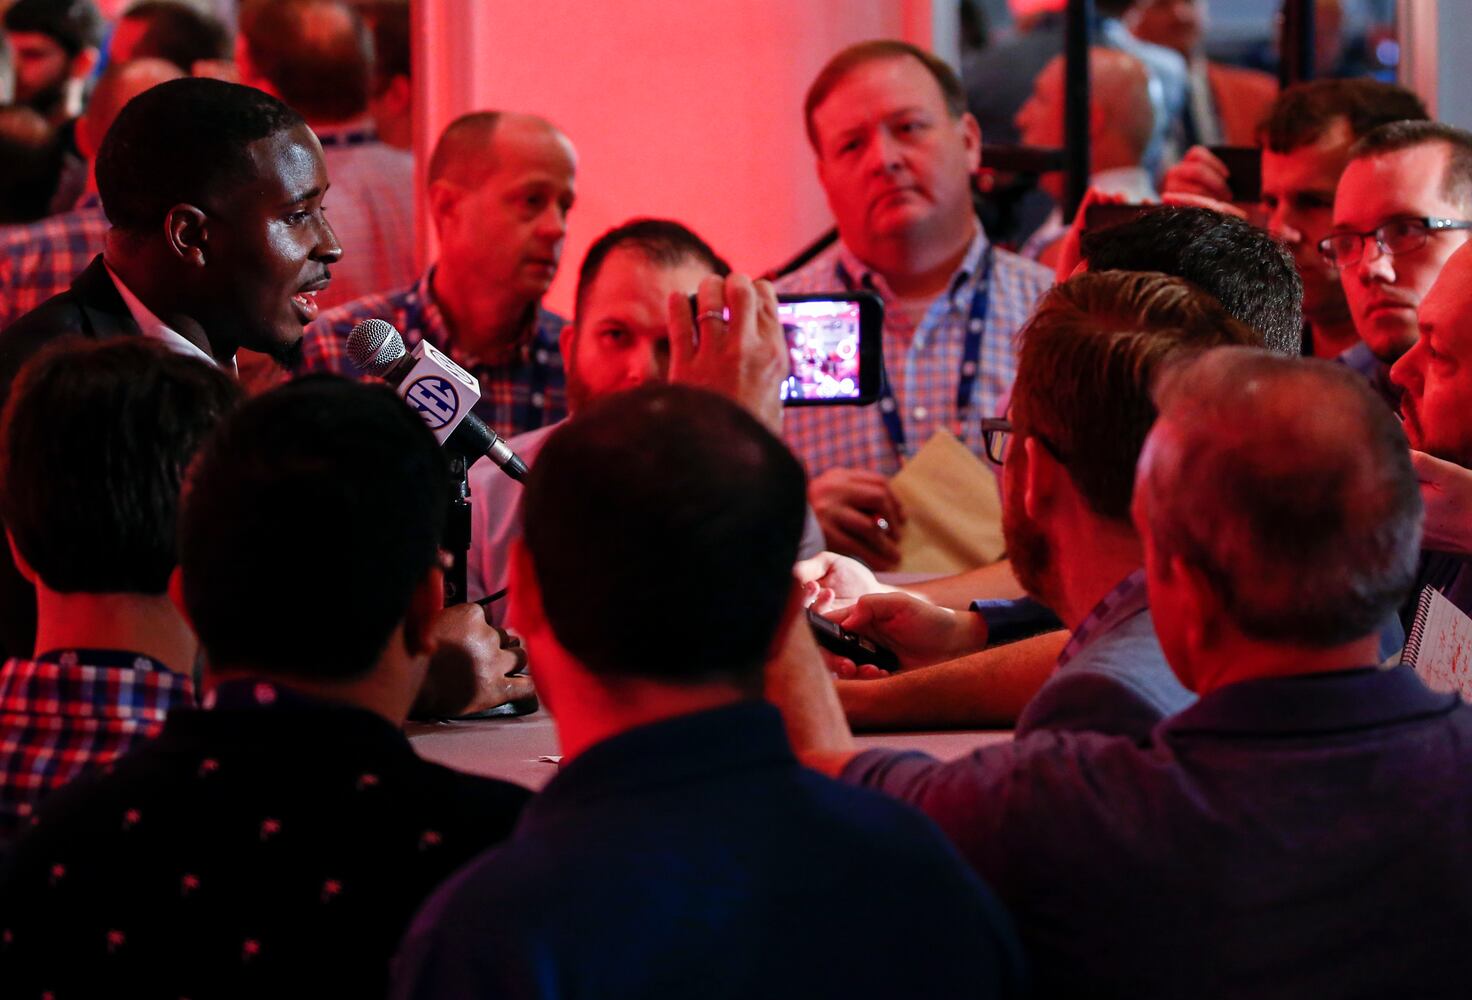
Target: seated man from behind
[
  {"x": 1254, "y": 279},
  {"x": 93, "y": 445},
  {"x": 1080, "y": 411},
  {"x": 682, "y": 851},
  {"x": 279, "y": 840},
  {"x": 1301, "y": 830}
]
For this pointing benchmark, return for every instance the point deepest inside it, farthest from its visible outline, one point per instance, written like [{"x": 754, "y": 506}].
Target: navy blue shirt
[
  {"x": 695, "y": 858},
  {"x": 1292, "y": 837},
  {"x": 275, "y": 845}
]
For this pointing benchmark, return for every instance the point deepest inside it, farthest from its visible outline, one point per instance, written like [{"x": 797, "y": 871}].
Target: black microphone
[{"x": 440, "y": 391}]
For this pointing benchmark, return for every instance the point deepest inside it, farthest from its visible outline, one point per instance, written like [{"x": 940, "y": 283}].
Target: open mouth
[{"x": 305, "y": 301}]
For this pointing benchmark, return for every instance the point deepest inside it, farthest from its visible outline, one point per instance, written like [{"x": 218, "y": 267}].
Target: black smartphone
[
  {"x": 833, "y": 341},
  {"x": 1244, "y": 170},
  {"x": 841, "y": 642},
  {"x": 1103, "y": 216}
]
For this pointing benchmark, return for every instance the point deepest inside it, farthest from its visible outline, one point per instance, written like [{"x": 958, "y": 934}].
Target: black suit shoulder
[{"x": 91, "y": 307}]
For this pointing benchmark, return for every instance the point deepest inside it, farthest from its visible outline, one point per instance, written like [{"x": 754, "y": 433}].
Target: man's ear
[
  {"x": 176, "y": 596},
  {"x": 187, "y": 230},
  {"x": 1040, "y": 482},
  {"x": 398, "y": 95},
  {"x": 426, "y": 601},
  {"x": 565, "y": 340},
  {"x": 971, "y": 135},
  {"x": 794, "y": 615},
  {"x": 444, "y": 196},
  {"x": 20, "y": 560},
  {"x": 1198, "y": 603}
]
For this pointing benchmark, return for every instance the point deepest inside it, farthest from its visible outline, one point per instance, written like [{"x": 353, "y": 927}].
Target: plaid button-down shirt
[
  {"x": 515, "y": 397},
  {"x": 371, "y": 208},
  {"x": 81, "y": 708},
  {"x": 923, "y": 366},
  {"x": 40, "y": 260}
]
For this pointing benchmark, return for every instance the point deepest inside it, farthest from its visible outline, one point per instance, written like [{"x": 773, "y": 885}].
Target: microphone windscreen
[{"x": 374, "y": 346}]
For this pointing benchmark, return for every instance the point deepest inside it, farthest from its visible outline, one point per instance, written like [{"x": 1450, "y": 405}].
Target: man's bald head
[
  {"x": 119, "y": 85},
  {"x": 466, "y": 152},
  {"x": 1287, "y": 485},
  {"x": 1121, "y": 117}
]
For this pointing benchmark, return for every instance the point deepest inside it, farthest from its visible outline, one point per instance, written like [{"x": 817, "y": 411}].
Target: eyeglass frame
[
  {"x": 1428, "y": 223},
  {"x": 993, "y": 428}
]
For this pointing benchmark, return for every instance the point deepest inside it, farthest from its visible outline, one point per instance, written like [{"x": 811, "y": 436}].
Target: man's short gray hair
[{"x": 1288, "y": 485}]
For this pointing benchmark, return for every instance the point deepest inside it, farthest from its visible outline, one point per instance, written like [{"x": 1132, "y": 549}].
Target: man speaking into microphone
[{"x": 218, "y": 241}]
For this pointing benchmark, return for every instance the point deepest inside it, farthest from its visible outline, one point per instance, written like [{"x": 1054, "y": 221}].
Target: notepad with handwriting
[{"x": 1440, "y": 645}]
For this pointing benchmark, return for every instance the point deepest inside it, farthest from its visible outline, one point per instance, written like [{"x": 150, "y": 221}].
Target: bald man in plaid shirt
[
  {"x": 500, "y": 189},
  {"x": 895, "y": 151}
]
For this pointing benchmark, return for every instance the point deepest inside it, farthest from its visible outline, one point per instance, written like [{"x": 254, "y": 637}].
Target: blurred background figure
[
  {"x": 390, "y": 97},
  {"x": 317, "y": 57},
  {"x": 1225, "y": 103},
  {"x": 54, "y": 49},
  {"x": 168, "y": 29},
  {"x": 29, "y": 164}
]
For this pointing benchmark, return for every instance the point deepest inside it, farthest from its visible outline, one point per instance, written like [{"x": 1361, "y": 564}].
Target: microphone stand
[{"x": 457, "y": 527}]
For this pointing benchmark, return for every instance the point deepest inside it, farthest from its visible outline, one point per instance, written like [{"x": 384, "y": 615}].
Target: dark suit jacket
[{"x": 91, "y": 308}]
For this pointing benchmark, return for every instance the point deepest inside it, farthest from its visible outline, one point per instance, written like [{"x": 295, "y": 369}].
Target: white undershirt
[{"x": 156, "y": 329}]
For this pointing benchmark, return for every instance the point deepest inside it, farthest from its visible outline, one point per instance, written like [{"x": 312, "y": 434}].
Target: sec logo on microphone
[{"x": 435, "y": 398}]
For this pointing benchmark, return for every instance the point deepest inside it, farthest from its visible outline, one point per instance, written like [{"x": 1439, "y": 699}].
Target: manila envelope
[{"x": 953, "y": 509}]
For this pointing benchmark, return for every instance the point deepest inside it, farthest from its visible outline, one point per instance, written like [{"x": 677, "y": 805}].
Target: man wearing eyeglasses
[{"x": 1400, "y": 210}]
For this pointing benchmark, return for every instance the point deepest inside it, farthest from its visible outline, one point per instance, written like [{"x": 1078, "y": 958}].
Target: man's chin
[{"x": 285, "y": 352}]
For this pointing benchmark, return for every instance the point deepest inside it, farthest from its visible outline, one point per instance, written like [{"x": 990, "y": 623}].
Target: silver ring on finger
[{"x": 711, "y": 314}]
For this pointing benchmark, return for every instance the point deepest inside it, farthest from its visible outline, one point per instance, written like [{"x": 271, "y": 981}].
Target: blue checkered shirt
[
  {"x": 924, "y": 368},
  {"x": 515, "y": 397},
  {"x": 40, "y": 260},
  {"x": 80, "y": 709}
]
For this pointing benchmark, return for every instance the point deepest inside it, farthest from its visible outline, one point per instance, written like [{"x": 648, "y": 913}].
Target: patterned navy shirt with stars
[
  {"x": 516, "y": 395},
  {"x": 269, "y": 844}
]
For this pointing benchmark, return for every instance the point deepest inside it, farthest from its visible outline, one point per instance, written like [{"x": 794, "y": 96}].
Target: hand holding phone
[{"x": 727, "y": 338}]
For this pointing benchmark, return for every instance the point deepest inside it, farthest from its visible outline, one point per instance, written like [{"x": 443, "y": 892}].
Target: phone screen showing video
[{"x": 823, "y": 339}]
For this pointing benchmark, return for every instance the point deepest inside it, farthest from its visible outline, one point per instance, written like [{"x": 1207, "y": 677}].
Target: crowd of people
[{"x": 1232, "y": 441}]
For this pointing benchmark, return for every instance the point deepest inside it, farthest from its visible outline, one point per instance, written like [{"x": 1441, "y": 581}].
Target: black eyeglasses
[
  {"x": 1395, "y": 236},
  {"x": 996, "y": 435}
]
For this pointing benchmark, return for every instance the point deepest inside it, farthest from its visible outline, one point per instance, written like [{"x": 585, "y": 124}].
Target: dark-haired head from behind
[
  {"x": 309, "y": 522},
  {"x": 316, "y": 54},
  {"x": 1251, "y": 274},
  {"x": 661, "y": 528},
  {"x": 169, "y": 30},
  {"x": 94, "y": 443},
  {"x": 183, "y": 142}
]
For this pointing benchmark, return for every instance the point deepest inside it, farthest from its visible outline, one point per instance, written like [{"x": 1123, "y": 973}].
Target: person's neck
[
  {"x": 1235, "y": 658},
  {"x": 387, "y": 689},
  {"x": 485, "y": 319},
  {"x": 134, "y": 623},
  {"x": 157, "y": 287},
  {"x": 920, "y": 268},
  {"x": 1331, "y": 339},
  {"x": 1099, "y": 555},
  {"x": 590, "y": 712}
]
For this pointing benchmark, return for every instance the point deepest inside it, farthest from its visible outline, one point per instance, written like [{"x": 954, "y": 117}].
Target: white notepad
[{"x": 1439, "y": 646}]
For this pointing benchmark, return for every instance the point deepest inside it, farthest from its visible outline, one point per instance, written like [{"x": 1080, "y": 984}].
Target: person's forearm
[
  {"x": 986, "y": 689},
  {"x": 802, "y": 689},
  {"x": 986, "y": 583}
]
